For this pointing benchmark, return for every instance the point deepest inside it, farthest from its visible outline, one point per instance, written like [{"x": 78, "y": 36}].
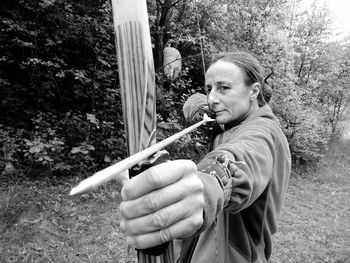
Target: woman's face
[{"x": 228, "y": 95}]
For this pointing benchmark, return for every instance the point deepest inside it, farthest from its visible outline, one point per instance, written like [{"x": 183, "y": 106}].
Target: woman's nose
[{"x": 212, "y": 97}]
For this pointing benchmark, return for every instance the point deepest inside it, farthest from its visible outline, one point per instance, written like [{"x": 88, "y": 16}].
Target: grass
[
  {"x": 39, "y": 222},
  {"x": 315, "y": 223}
]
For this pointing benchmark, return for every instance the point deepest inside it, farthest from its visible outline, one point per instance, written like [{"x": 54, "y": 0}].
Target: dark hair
[{"x": 253, "y": 72}]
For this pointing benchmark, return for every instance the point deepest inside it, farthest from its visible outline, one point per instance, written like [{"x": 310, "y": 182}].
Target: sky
[
  {"x": 341, "y": 13},
  {"x": 340, "y": 10}
]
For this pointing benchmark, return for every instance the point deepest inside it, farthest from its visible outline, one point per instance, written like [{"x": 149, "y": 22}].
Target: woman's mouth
[{"x": 218, "y": 112}]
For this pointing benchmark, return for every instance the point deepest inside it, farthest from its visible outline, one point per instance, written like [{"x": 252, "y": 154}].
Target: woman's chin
[
  {"x": 220, "y": 120},
  {"x": 224, "y": 119}
]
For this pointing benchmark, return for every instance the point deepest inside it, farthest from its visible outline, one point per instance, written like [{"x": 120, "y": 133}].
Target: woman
[{"x": 226, "y": 208}]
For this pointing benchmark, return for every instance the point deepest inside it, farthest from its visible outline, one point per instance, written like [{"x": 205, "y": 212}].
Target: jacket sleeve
[
  {"x": 195, "y": 107},
  {"x": 242, "y": 168}
]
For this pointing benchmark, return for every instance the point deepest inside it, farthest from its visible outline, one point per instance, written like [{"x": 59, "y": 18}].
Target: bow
[
  {"x": 137, "y": 86},
  {"x": 137, "y": 89}
]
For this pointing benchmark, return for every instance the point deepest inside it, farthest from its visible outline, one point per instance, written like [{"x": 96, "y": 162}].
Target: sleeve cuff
[{"x": 213, "y": 197}]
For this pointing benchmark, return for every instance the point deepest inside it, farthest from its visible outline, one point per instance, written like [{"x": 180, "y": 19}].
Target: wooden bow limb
[{"x": 137, "y": 85}]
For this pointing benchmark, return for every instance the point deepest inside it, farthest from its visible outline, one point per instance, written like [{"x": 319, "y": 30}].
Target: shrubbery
[{"x": 60, "y": 103}]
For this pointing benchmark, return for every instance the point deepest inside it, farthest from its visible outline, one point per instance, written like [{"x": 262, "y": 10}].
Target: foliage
[
  {"x": 69, "y": 144},
  {"x": 310, "y": 90},
  {"x": 60, "y": 103},
  {"x": 9, "y": 141},
  {"x": 58, "y": 80}
]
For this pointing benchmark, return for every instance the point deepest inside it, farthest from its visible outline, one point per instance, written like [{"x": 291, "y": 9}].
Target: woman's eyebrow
[
  {"x": 224, "y": 83},
  {"x": 220, "y": 83}
]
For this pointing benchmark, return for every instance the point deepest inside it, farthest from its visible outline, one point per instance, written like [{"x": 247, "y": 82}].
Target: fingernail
[
  {"x": 123, "y": 195},
  {"x": 121, "y": 210},
  {"x": 122, "y": 225}
]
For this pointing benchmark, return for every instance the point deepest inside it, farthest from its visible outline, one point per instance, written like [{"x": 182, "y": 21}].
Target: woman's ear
[{"x": 254, "y": 91}]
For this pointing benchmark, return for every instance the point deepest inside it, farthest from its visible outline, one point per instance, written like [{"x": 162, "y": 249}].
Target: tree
[
  {"x": 59, "y": 92},
  {"x": 58, "y": 80}
]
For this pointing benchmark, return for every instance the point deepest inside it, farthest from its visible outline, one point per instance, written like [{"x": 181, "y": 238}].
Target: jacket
[{"x": 245, "y": 179}]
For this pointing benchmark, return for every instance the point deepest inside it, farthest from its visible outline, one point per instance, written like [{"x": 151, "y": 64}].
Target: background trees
[{"x": 60, "y": 105}]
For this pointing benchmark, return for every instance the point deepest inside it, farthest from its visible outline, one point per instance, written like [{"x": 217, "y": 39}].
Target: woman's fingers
[
  {"x": 163, "y": 203},
  {"x": 164, "y": 217},
  {"x": 160, "y": 198},
  {"x": 181, "y": 229},
  {"x": 157, "y": 177}
]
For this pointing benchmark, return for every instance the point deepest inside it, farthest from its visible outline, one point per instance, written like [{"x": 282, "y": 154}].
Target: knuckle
[
  {"x": 153, "y": 177},
  {"x": 201, "y": 201},
  {"x": 196, "y": 222},
  {"x": 196, "y": 186},
  {"x": 194, "y": 183},
  {"x": 160, "y": 220},
  {"x": 191, "y": 167},
  {"x": 152, "y": 202},
  {"x": 200, "y": 185},
  {"x": 163, "y": 236}
]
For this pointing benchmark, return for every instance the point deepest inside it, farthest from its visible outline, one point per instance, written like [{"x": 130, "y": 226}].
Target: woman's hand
[{"x": 163, "y": 203}]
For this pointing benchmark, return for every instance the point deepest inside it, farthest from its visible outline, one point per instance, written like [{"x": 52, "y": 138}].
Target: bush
[{"x": 71, "y": 144}]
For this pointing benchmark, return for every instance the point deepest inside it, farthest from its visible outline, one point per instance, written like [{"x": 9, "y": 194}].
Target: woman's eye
[
  {"x": 221, "y": 88},
  {"x": 224, "y": 88}
]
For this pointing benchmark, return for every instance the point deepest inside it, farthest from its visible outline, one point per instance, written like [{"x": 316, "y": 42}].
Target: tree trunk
[{"x": 165, "y": 14}]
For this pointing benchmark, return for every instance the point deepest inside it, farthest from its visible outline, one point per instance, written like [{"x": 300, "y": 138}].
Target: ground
[{"x": 39, "y": 222}]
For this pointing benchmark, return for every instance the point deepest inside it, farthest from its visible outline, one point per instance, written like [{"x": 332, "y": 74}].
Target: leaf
[
  {"x": 104, "y": 63},
  {"x": 75, "y": 150},
  {"x": 90, "y": 147},
  {"x": 107, "y": 159},
  {"x": 29, "y": 143},
  {"x": 92, "y": 119},
  {"x": 60, "y": 74}
]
